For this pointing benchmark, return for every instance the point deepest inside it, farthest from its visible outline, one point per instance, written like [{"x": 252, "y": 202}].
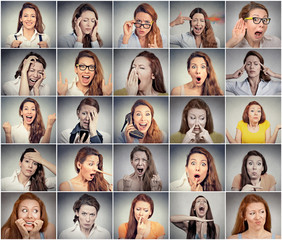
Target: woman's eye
[
  {"x": 148, "y": 114},
  {"x": 193, "y": 67},
  {"x": 83, "y": 214},
  {"x": 202, "y": 119},
  {"x": 193, "y": 163},
  {"x": 203, "y": 67},
  {"x": 35, "y": 163},
  {"x": 24, "y": 210},
  {"x": 204, "y": 164},
  {"x": 146, "y": 210},
  {"x": 91, "y": 164},
  {"x": 250, "y": 163},
  {"x": 35, "y": 211}
]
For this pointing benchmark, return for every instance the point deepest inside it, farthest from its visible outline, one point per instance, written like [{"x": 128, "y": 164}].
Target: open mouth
[
  {"x": 202, "y": 209},
  {"x": 140, "y": 171},
  {"x": 139, "y": 81},
  {"x": 33, "y": 80},
  {"x": 142, "y": 126},
  {"x": 85, "y": 78},
  {"x": 258, "y": 34},
  {"x": 198, "y": 29},
  {"x": 198, "y": 79},
  {"x": 197, "y": 176}
]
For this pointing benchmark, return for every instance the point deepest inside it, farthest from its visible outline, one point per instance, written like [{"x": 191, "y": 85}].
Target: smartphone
[{"x": 83, "y": 131}]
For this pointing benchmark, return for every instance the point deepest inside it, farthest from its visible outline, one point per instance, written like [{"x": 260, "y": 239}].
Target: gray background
[
  {"x": 123, "y": 165},
  {"x": 104, "y": 10},
  {"x": 10, "y": 13}
]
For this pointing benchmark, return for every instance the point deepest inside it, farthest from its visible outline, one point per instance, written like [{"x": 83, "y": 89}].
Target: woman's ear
[
  {"x": 153, "y": 76},
  {"x": 78, "y": 165}
]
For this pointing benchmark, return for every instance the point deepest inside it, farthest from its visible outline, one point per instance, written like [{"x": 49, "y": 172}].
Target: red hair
[{"x": 245, "y": 116}]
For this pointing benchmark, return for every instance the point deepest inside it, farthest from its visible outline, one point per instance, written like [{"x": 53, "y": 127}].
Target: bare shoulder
[
  {"x": 233, "y": 236},
  {"x": 176, "y": 91},
  {"x": 120, "y": 185},
  {"x": 277, "y": 237},
  {"x": 64, "y": 186},
  {"x": 50, "y": 232}
]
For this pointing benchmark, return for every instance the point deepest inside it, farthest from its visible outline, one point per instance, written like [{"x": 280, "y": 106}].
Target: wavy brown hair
[
  {"x": 245, "y": 116},
  {"x": 241, "y": 225},
  {"x": 10, "y": 229},
  {"x": 151, "y": 170},
  {"x": 245, "y": 11},
  {"x": 262, "y": 75},
  {"x": 77, "y": 13},
  {"x": 37, "y": 180},
  {"x": 199, "y": 104},
  {"x": 147, "y": 8},
  {"x": 90, "y": 102},
  {"x": 132, "y": 222},
  {"x": 245, "y": 178},
  {"x": 154, "y": 134},
  {"x": 211, "y": 230},
  {"x": 98, "y": 183},
  {"x": 156, "y": 69},
  {"x": 95, "y": 86},
  {"x": 207, "y": 36},
  {"x": 37, "y": 128},
  {"x": 210, "y": 85},
  {"x": 211, "y": 181},
  {"x": 39, "y": 26}
]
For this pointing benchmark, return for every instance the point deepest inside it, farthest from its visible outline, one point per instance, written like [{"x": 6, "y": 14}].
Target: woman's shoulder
[
  {"x": 177, "y": 90},
  {"x": 50, "y": 231},
  {"x": 265, "y": 124},
  {"x": 65, "y": 186},
  {"x": 233, "y": 236}
]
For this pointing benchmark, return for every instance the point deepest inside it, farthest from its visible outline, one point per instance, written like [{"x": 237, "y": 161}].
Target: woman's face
[
  {"x": 198, "y": 71},
  {"x": 84, "y": 115},
  {"x": 254, "y": 114},
  {"x": 28, "y": 167},
  {"x": 254, "y": 167},
  {"x": 197, "y": 117},
  {"x": 255, "y": 32},
  {"x": 197, "y": 168},
  {"x": 28, "y": 18},
  {"x": 88, "y": 22},
  {"x": 198, "y": 23},
  {"x": 139, "y": 163},
  {"x": 142, "y": 118},
  {"x": 29, "y": 211},
  {"x": 28, "y": 113},
  {"x": 142, "y": 17},
  {"x": 34, "y": 73},
  {"x": 88, "y": 167},
  {"x": 87, "y": 215},
  {"x": 253, "y": 66},
  {"x": 142, "y": 210},
  {"x": 255, "y": 215},
  {"x": 144, "y": 72},
  {"x": 85, "y": 77},
  {"x": 201, "y": 207}
]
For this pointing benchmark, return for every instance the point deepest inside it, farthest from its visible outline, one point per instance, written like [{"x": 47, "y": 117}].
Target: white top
[
  {"x": 70, "y": 41},
  {"x": 32, "y": 43},
  {"x": 74, "y": 232},
  {"x": 12, "y": 183},
  {"x": 243, "y": 87},
  {"x": 187, "y": 40},
  {"x": 13, "y": 88},
  {"x": 73, "y": 90},
  {"x": 20, "y": 134},
  {"x": 181, "y": 184},
  {"x": 266, "y": 42}
]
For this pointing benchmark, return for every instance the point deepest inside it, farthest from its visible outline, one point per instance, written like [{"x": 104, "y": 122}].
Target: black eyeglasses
[
  {"x": 83, "y": 67},
  {"x": 257, "y": 20},
  {"x": 145, "y": 25}
]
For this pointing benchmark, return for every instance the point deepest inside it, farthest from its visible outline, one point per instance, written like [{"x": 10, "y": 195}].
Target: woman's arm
[
  {"x": 120, "y": 185},
  {"x": 237, "y": 74},
  {"x": 238, "y": 136},
  {"x": 179, "y": 20},
  {"x": 8, "y": 132},
  {"x": 268, "y": 137},
  {"x": 267, "y": 71},
  {"x": 238, "y": 34},
  {"x": 50, "y": 122},
  {"x": 64, "y": 186}
]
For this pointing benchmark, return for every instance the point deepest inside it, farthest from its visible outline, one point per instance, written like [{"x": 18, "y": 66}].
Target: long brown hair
[
  {"x": 245, "y": 11},
  {"x": 241, "y": 225},
  {"x": 151, "y": 170},
  {"x": 95, "y": 86},
  {"x": 154, "y": 134},
  {"x": 147, "y": 8},
  {"x": 10, "y": 226},
  {"x": 156, "y": 69},
  {"x": 211, "y": 230},
  {"x": 245, "y": 116},
  {"x": 37, "y": 180},
  {"x": 98, "y": 183},
  {"x": 132, "y": 222},
  {"x": 39, "y": 26},
  {"x": 77, "y": 13},
  {"x": 210, "y": 85},
  {"x": 207, "y": 36},
  {"x": 211, "y": 181},
  {"x": 37, "y": 128}
]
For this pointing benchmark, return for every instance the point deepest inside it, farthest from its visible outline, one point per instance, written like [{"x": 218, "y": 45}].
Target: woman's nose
[{"x": 197, "y": 167}]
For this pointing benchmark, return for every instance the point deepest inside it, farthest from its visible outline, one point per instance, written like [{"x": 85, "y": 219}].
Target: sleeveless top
[
  {"x": 41, "y": 235},
  {"x": 240, "y": 236}
]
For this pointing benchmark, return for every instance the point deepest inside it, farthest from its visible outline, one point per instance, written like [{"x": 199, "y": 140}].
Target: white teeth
[
  {"x": 86, "y": 76},
  {"x": 143, "y": 124}
]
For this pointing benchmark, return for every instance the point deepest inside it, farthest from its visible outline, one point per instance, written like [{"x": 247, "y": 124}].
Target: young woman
[
  {"x": 30, "y": 29},
  {"x": 145, "y": 176},
  {"x": 259, "y": 80},
  {"x": 90, "y": 79},
  {"x": 145, "y": 76},
  {"x": 29, "y": 78},
  {"x": 139, "y": 226},
  {"x": 200, "y": 173},
  {"x": 31, "y": 176},
  {"x": 253, "y": 220},
  {"x": 89, "y": 167},
  {"x": 253, "y": 128},
  {"x": 200, "y": 224},
  {"x": 141, "y": 121},
  {"x": 147, "y": 34},
  {"x": 32, "y": 129},
  {"x": 204, "y": 81},
  {"x": 86, "y": 209},
  {"x": 196, "y": 125},
  {"x": 28, "y": 220},
  {"x": 253, "y": 175},
  {"x": 86, "y": 130},
  {"x": 250, "y": 29},
  {"x": 201, "y": 34},
  {"x": 85, "y": 29}
]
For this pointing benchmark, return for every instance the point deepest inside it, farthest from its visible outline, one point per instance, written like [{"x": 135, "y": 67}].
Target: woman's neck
[
  {"x": 256, "y": 234},
  {"x": 80, "y": 179},
  {"x": 138, "y": 178},
  {"x": 28, "y": 33},
  {"x": 142, "y": 41},
  {"x": 194, "y": 89},
  {"x": 254, "y": 82},
  {"x": 253, "y": 124},
  {"x": 149, "y": 90},
  {"x": 198, "y": 40},
  {"x": 86, "y": 231},
  {"x": 253, "y": 44},
  {"x": 82, "y": 88},
  {"x": 23, "y": 179}
]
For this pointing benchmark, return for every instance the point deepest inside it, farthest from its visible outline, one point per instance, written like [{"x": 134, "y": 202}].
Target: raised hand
[
  {"x": 81, "y": 140},
  {"x": 35, "y": 156},
  {"x": 93, "y": 119},
  {"x": 180, "y": 20},
  {"x": 204, "y": 135},
  {"x": 251, "y": 188},
  {"x": 128, "y": 27},
  {"x": 190, "y": 137},
  {"x": 16, "y": 44},
  {"x": 132, "y": 83},
  {"x": 36, "y": 229},
  {"x": 238, "y": 33},
  {"x": 27, "y": 62},
  {"x": 141, "y": 228},
  {"x": 20, "y": 225},
  {"x": 155, "y": 183},
  {"x": 195, "y": 185},
  {"x": 51, "y": 120},
  {"x": 130, "y": 127},
  {"x": 153, "y": 45},
  {"x": 239, "y": 72},
  {"x": 78, "y": 30},
  {"x": 38, "y": 83},
  {"x": 43, "y": 44},
  {"x": 267, "y": 71},
  {"x": 107, "y": 89},
  {"x": 7, "y": 128},
  {"x": 62, "y": 88},
  {"x": 94, "y": 32}
]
